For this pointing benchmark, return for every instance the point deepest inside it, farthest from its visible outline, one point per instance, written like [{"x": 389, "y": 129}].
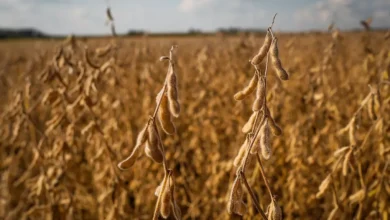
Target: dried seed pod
[
  {"x": 240, "y": 208},
  {"x": 158, "y": 190},
  {"x": 263, "y": 50},
  {"x": 88, "y": 127},
  {"x": 333, "y": 213},
  {"x": 235, "y": 197},
  {"x": 358, "y": 196},
  {"x": 277, "y": 64},
  {"x": 249, "y": 124},
  {"x": 129, "y": 161},
  {"x": 156, "y": 156},
  {"x": 260, "y": 96},
  {"x": 352, "y": 132},
  {"x": 165, "y": 117},
  {"x": 274, "y": 211},
  {"x": 16, "y": 128},
  {"x": 241, "y": 154},
  {"x": 107, "y": 65},
  {"x": 70, "y": 134},
  {"x": 244, "y": 161},
  {"x": 371, "y": 108},
  {"x": 165, "y": 207},
  {"x": 162, "y": 58},
  {"x": 377, "y": 103},
  {"x": 88, "y": 59},
  {"x": 248, "y": 89},
  {"x": 275, "y": 129},
  {"x": 102, "y": 51},
  {"x": 109, "y": 14},
  {"x": 153, "y": 137},
  {"x": 173, "y": 54},
  {"x": 256, "y": 147},
  {"x": 175, "y": 208},
  {"x": 374, "y": 102},
  {"x": 264, "y": 141},
  {"x": 153, "y": 147},
  {"x": 346, "y": 161},
  {"x": 54, "y": 122},
  {"x": 340, "y": 151},
  {"x": 172, "y": 93},
  {"x": 323, "y": 186}
]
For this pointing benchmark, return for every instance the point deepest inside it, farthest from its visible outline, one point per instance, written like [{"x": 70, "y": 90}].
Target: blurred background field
[
  {"x": 79, "y": 79},
  {"x": 53, "y": 166}
]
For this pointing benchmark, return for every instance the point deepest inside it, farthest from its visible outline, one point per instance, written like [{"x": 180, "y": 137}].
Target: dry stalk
[
  {"x": 154, "y": 146},
  {"x": 261, "y": 122}
]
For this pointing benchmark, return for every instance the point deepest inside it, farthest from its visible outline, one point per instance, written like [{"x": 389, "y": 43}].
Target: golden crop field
[{"x": 71, "y": 111}]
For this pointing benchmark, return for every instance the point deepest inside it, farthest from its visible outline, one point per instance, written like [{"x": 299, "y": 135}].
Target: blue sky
[{"x": 88, "y": 16}]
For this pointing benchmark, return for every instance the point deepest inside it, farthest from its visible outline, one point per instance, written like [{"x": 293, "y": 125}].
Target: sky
[{"x": 88, "y": 16}]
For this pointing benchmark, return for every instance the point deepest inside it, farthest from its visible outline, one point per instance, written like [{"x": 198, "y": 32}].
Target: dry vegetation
[{"x": 70, "y": 114}]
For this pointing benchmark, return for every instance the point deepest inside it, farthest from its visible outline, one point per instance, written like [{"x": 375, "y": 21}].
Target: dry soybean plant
[
  {"x": 150, "y": 139},
  {"x": 357, "y": 178},
  {"x": 351, "y": 162},
  {"x": 110, "y": 19},
  {"x": 257, "y": 130}
]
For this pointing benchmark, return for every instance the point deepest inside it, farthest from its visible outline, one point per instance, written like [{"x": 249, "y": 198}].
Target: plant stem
[
  {"x": 252, "y": 194},
  {"x": 264, "y": 177},
  {"x": 158, "y": 203}
]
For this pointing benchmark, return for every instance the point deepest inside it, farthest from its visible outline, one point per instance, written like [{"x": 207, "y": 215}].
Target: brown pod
[
  {"x": 346, "y": 161},
  {"x": 70, "y": 134},
  {"x": 109, "y": 14},
  {"x": 265, "y": 141},
  {"x": 88, "y": 60},
  {"x": 357, "y": 197},
  {"x": 260, "y": 96},
  {"x": 371, "y": 108},
  {"x": 176, "y": 211},
  {"x": 156, "y": 156},
  {"x": 241, "y": 154},
  {"x": 175, "y": 208},
  {"x": 153, "y": 138},
  {"x": 256, "y": 147},
  {"x": 235, "y": 197},
  {"x": 239, "y": 96},
  {"x": 248, "y": 89},
  {"x": 352, "y": 132},
  {"x": 263, "y": 50},
  {"x": 277, "y": 64},
  {"x": 165, "y": 208},
  {"x": 274, "y": 211},
  {"x": 129, "y": 161},
  {"x": 249, "y": 124},
  {"x": 323, "y": 186},
  {"x": 174, "y": 105},
  {"x": 240, "y": 208},
  {"x": 165, "y": 117},
  {"x": 275, "y": 129},
  {"x": 154, "y": 147}
]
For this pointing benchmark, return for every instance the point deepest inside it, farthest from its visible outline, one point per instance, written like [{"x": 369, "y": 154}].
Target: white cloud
[
  {"x": 340, "y": 2},
  {"x": 88, "y": 16},
  {"x": 381, "y": 14},
  {"x": 346, "y": 13},
  {"x": 192, "y": 5}
]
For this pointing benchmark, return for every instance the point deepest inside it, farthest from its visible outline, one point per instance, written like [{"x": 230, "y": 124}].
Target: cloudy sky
[{"x": 88, "y": 16}]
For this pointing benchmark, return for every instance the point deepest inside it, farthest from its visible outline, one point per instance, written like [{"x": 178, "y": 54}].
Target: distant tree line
[
  {"x": 21, "y": 33},
  {"x": 6, "y": 33}
]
